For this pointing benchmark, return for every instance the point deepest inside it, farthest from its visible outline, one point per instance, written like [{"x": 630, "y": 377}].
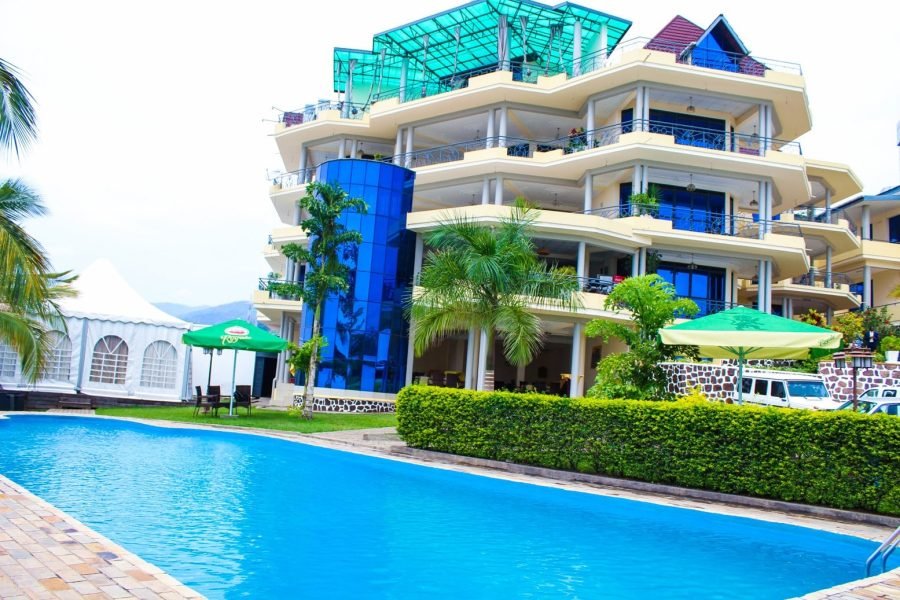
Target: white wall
[{"x": 221, "y": 369}]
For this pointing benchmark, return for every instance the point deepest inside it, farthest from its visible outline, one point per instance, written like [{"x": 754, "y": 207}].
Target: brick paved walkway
[
  {"x": 45, "y": 553},
  {"x": 880, "y": 587}
]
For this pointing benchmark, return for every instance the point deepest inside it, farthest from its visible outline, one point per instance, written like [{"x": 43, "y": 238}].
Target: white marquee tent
[{"x": 117, "y": 344}]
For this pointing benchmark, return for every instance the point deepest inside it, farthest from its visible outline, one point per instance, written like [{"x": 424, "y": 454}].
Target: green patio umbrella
[
  {"x": 235, "y": 335},
  {"x": 744, "y": 333}
]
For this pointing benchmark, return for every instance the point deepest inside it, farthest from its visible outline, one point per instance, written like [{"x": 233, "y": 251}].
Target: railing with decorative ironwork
[
  {"x": 825, "y": 279},
  {"x": 814, "y": 214},
  {"x": 280, "y": 289},
  {"x": 311, "y": 112},
  {"x": 699, "y": 221},
  {"x": 715, "y": 139},
  {"x": 294, "y": 178}
]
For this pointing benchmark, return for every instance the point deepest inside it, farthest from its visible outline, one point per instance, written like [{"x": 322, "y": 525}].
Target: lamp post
[
  {"x": 855, "y": 358},
  {"x": 209, "y": 376}
]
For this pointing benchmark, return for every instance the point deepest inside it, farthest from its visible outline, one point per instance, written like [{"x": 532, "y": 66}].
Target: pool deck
[
  {"x": 42, "y": 544},
  {"x": 45, "y": 553}
]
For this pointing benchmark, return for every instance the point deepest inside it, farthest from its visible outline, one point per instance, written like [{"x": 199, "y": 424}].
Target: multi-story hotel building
[{"x": 459, "y": 113}]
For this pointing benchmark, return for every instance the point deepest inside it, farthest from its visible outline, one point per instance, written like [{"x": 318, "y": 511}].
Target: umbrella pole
[
  {"x": 233, "y": 388},
  {"x": 741, "y": 376},
  {"x": 209, "y": 376}
]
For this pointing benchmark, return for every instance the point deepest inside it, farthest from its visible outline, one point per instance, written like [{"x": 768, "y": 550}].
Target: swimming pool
[{"x": 235, "y": 515}]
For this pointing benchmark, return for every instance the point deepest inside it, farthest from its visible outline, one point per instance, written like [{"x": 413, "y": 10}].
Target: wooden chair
[
  {"x": 214, "y": 398},
  {"x": 200, "y": 401},
  {"x": 452, "y": 380},
  {"x": 243, "y": 397}
]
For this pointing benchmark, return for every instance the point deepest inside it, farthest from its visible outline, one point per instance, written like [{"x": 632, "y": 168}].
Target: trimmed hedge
[{"x": 838, "y": 459}]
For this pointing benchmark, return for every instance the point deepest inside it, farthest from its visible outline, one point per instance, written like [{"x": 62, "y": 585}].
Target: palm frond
[{"x": 18, "y": 122}]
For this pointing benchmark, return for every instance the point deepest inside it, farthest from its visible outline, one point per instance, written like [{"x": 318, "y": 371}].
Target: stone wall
[
  {"x": 717, "y": 381},
  {"x": 348, "y": 405}
]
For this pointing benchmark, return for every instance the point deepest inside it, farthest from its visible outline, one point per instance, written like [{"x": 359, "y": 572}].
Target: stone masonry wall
[
  {"x": 717, "y": 381},
  {"x": 346, "y": 405}
]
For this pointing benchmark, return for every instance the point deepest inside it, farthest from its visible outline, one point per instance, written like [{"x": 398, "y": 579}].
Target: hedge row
[{"x": 838, "y": 459}]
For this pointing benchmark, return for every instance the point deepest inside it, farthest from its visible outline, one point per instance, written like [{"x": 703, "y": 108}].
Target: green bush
[{"x": 838, "y": 459}]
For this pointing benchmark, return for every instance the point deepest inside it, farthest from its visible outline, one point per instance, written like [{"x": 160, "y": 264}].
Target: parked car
[
  {"x": 876, "y": 400},
  {"x": 787, "y": 390}
]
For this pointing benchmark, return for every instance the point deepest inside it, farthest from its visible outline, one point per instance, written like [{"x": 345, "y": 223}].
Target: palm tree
[
  {"x": 487, "y": 279},
  {"x": 28, "y": 286},
  {"x": 325, "y": 273}
]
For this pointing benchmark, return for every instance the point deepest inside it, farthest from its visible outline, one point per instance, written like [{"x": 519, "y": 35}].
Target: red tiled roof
[{"x": 675, "y": 36}]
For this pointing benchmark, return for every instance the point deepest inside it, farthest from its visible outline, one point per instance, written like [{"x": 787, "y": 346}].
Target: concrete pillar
[
  {"x": 636, "y": 263},
  {"x": 762, "y": 210},
  {"x": 643, "y": 262},
  {"x": 407, "y": 162},
  {"x": 604, "y": 42},
  {"x": 828, "y": 205},
  {"x": 828, "y": 276},
  {"x": 490, "y": 129},
  {"x": 410, "y": 354},
  {"x": 865, "y": 223},
  {"x": 486, "y": 191},
  {"x": 787, "y": 308},
  {"x": 404, "y": 71},
  {"x": 398, "y": 147},
  {"x": 769, "y": 205},
  {"x": 419, "y": 256},
  {"x": 303, "y": 159},
  {"x": 867, "y": 286},
  {"x": 590, "y": 124},
  {"x": 354, "y": 148},
  {"x": 576, "y": 49},
  {"x": 471, "y": 342},
  {"x": 520, "y": 374},
  {"x": 577, "y": 368},
  {"x": 770, "y": 128},
  {"x": 498, "y": 192},
  {"x": 298, "y": 214},
  {"x": 768, "y": 286},
  {"x": 482, "y": 359},
  {"x": 761, "y": 286},
  {"x": 639, "y": 109},
  {"x": 588, "y": 192},
  {"x": 501, "y": 139},
  {"x": 580, "y": 260},
  {"x": 342, "y": 148},
  {"x": 829, "y": 314}
]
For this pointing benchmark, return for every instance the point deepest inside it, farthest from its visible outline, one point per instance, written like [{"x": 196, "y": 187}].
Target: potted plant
[
  {"x": 890, "y": 345},
  {"x": 645, "y": 203}
]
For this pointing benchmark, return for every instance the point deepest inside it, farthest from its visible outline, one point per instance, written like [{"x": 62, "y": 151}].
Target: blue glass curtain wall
[
  {"x": 365, "y": 327},
  {"x": 688, "y": 130},
  {"x": 703, "y": 285},
  {"x": 702, "y": 211}
]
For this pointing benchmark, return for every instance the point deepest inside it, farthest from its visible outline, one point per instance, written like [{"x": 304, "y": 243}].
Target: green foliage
[
  {"x": 877, "y": 320},
  {"x": 653, "y": 305},
  {"x": 849, "y": 325},
  {"x": 645, "y": 203},
  {"x": 488, "y": 278},
  {"x": 889, "y": 343},
  {"x": 813, "y": 317},
  {"x": 285, "y": 290},
  {"x": 839, "y": 459},
  {"x": 298, "y": 359}
]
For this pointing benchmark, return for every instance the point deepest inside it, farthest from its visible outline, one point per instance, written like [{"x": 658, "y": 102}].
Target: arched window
[
  {"x": 110, "y": 360},
  {"x": 59, "y": 362},
  {"x": 158, "y": 370},
  {"x": 8, "y": 360}
]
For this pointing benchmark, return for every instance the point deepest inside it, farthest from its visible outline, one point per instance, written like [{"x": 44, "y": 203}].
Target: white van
[{"x": 786, "y": 389}]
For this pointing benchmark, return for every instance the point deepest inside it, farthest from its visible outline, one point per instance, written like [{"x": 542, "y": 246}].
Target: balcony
[
  {"x": 281, "y": 289},
  {"x": 312, "y": 112}
]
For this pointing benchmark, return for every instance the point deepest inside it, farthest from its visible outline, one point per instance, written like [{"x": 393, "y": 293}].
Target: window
[
  {"x": 110, "y": 360},
  {"x": 747, "y": 386},
  {"x": 890, "y": 393},
  {"x": 59, "y": 362},
  {"x": 762, "y": 387},
  {"x": 158, "y": 370},
  {"x": 778, "y": 389},
  {"x": 8, "y": 360},
  {"x": 809, "y": 389},
  {"x": 894, "y": 230}
]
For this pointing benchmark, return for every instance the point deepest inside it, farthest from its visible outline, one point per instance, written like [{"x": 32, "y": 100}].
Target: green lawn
[{"x": 263, "y": 419}]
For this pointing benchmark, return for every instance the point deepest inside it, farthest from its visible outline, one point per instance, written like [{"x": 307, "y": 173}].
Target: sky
[{"x": 155, "y": 117}]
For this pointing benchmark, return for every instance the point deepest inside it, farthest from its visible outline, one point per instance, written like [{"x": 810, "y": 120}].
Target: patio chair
[
  {"x": 200, "y": 401},
  {"x": 242, "y": 397},
  {"x": 214, "y": 399},
  {"x": 436, "y": 377},
  {"x": 452, "y": 380}
]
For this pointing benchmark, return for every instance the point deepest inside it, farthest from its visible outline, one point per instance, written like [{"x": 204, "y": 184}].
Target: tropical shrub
[
  {"x": 850, "y": 326},
  {"x": 889, "y": 343},
  {"x": 840, "y": 459}
]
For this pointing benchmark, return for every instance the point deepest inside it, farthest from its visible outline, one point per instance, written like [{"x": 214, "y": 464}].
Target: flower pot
[{"x": 892, "y": 356}]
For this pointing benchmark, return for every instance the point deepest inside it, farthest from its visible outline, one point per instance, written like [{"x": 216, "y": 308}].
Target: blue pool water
[{"x": 246, "y": 516}]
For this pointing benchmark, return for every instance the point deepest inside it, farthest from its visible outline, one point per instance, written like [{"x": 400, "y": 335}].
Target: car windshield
[
  {"x": 814, "y": 389},
  {"x": 863, "y": 406}
]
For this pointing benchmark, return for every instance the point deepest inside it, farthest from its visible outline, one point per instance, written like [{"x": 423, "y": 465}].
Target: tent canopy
[{"x": 235, "y": 335}]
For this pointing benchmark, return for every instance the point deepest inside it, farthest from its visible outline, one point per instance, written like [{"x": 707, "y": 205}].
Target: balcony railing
[
  {"x": 311, "y": 112},
  {"x": 294, "y": 178},
  {"x": 812, "y": 214},
  {"x": 825, "y": 279},
  {"x": 699, "y": 221},
  {"x": 280, "y": 289}
]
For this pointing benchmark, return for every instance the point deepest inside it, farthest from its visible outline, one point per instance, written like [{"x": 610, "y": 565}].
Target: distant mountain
[{"x": 208, "y": 315}]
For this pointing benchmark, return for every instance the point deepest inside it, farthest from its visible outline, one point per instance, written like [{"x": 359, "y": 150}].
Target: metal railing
[
  {"x": 884, "y": 551},
  {"x": 280, "y": 289},
  {"x": 294, "y": 178},
  {"x": 311, "y": 112},
  {"x": 715, "y": 139},
  {"x": 825, "y": 278},
  {"x": 699, "y": 221}
]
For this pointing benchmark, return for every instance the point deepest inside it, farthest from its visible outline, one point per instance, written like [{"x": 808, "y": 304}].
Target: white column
[
  {"x": 303, "y": 157},
  {"x": 769, "y": 205},
  {"x": 470, "y": 359},
  {"x": 604, "y": 42},
  {"x": 645, "y": 114},
  {"x": 590, "y": 124},
  {"x": 404, "y": 69},
  {"x": 398, "y": 147},
  {"x": 486, "y": 191},
  {"x": 761, "y": 286},
  {"x": 828, "y": 205},
  {"x": 588, "y": 192},
  {"x": 829, "y": 314},
  {"x": 638, "y": 109},
  {"x": 342, "y": 148},
  {"x": 865, "y": 224},
  {"x": 787, "y": 308},
  {"x": 828, "y": 277},
  {"x": 501, "y": 139},
  {"x": 768, "y": 286},
  {"x": 636, "y": 182},
  {"x": 762, "y": 210},
  {"x": 576, "y": 370},
  {"x": 407, "y": 162},
  {"x": 354, "y": 147},
  {"x": 770, "y": 129},
  {"x": 410, "y": 354},
  {"x": 867, "y": 286},
  {"x": 576, "y": 49},
  {"x": 643, "y": 262},
  {"x": 419, "y": 256},
  {"x": 520, "y": 374},
  {"x": 580, "y": 260},
  {"x": 490, "y": 129},
  {"x": 482, "y": 360},
  {"x": 298, "y": 214},
  {"x": 636, "y": 263},
  {"x": 498, "y": 192}
]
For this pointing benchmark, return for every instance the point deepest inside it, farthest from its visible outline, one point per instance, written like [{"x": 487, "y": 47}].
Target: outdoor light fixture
[
  {"x": 855, "y": 358},
  {"x": 753, "y": 202},
  {"x": 690, "y": 106},
  {"x": 690, "y": 186},
  {"x": 692, "y": 266}
]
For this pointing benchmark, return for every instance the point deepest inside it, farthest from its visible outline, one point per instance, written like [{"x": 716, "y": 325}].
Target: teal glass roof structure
[{"x": 466, "y": 40}]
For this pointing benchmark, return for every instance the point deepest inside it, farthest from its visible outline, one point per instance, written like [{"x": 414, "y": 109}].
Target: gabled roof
[
  {"x": 721, "y": 27},
  {"x": 103, "y": 294},
  {"x": 677, "y": 35}
]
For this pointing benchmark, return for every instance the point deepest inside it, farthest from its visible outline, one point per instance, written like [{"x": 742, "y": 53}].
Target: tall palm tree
[
  {"x": 325, "y": 273},
  {"x": 487, "y": 279},
  {"x": 28, "y": 286}
]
